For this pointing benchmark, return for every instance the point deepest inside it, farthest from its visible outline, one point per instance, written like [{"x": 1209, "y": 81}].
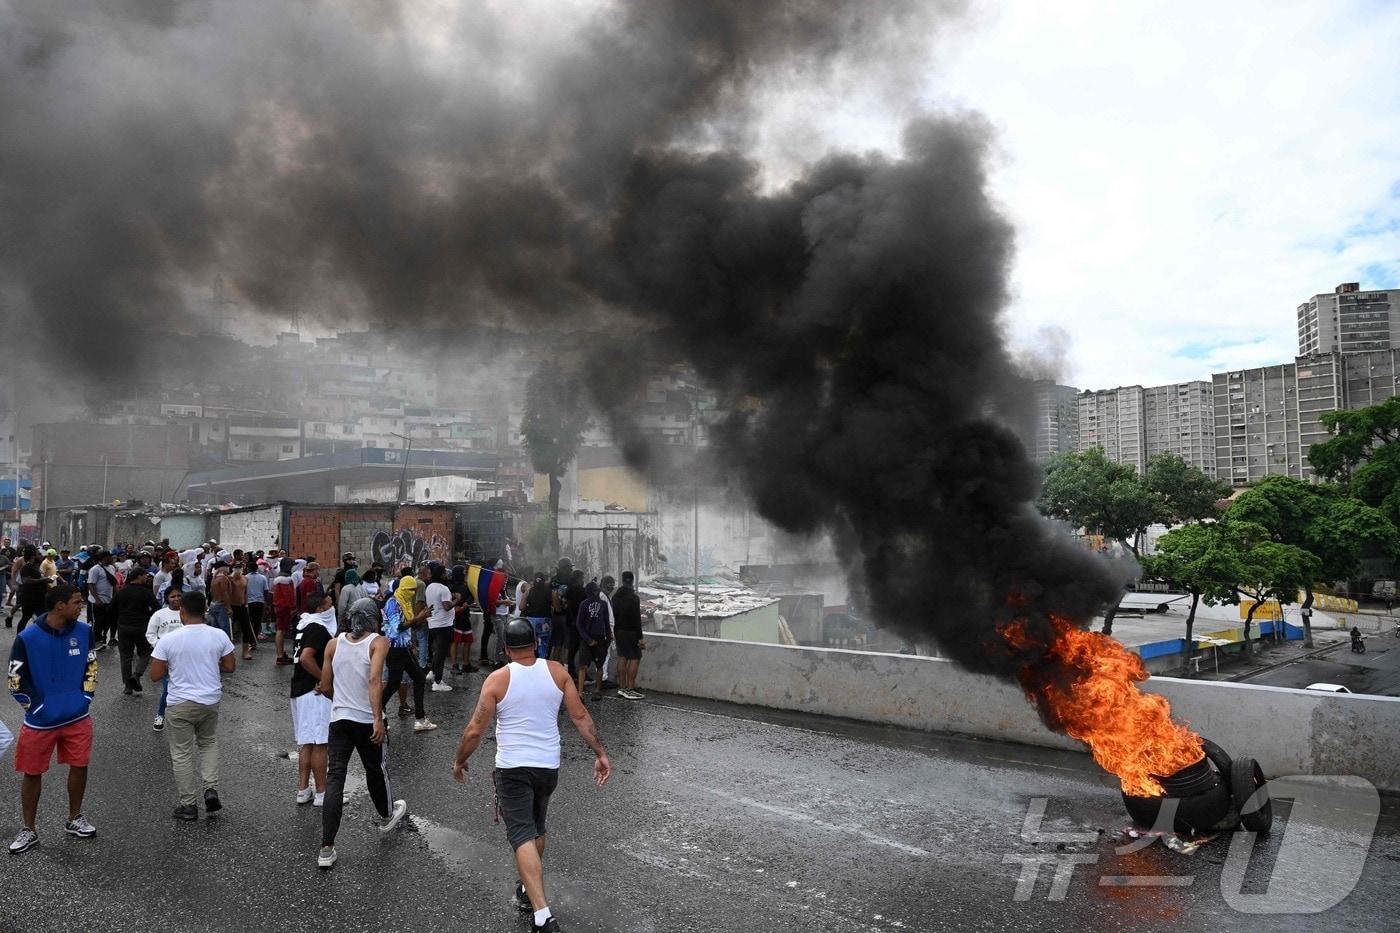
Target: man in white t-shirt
[
  {"x": 441, "y": 604},
  {"x": 194, "y": 657}
]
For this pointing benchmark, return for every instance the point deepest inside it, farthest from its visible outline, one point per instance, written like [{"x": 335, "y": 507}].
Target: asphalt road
[{"x": 718, "y": 819}]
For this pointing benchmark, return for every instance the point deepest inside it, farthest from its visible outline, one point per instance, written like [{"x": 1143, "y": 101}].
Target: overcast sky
[{"x": 1184, "y": 174}]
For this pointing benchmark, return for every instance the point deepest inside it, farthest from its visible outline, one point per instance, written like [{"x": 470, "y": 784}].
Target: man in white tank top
[
  {"x": 523, "y": 699},
  {"x": 351, "y": 677}
]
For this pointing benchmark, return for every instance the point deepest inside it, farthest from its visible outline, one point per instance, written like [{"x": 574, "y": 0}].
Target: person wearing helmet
[{"x": 522, "y": 699}]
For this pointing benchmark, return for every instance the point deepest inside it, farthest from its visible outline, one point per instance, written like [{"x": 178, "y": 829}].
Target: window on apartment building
[{"x": 288, "y": 449}]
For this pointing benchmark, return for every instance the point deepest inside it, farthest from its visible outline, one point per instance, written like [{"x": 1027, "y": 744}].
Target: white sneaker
[
  {"x": 319, "y": 800},
  {"x": 430, "y": 676},
  {"x": 26, "y": 840},
  {"x": 158, "y": 723},
  {"x": 304, "y": 795},
  {"x": 442, "y": 688},
  {"x": 396, "y": 814},
  {"x": 326, "y": 858},
  {"x": 424, "y": 725}
]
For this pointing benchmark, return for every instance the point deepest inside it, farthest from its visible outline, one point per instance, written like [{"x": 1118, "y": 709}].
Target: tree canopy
[
  {"x": 1092, "y": 492},
  {"x": 1363, "y": 454},
  {"x": 556, "y": 415}
]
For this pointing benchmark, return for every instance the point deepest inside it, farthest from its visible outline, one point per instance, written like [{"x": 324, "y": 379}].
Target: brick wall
[{"x": 393, "y": 535}]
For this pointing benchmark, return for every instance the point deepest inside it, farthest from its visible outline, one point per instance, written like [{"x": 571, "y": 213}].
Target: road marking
[
  {"x": 1146, "y": 881},
  {"x": 797, "y": 816}
]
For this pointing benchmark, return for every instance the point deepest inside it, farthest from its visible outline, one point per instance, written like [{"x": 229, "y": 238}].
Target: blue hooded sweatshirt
[{"x": 53, "y": 673}]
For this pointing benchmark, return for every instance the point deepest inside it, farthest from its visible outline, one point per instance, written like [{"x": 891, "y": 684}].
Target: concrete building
[
  {"x": 1180, "y": 419},
  {"x": 1056, "y": 420},
  {"x": 1112, "y": 419},
  {"x": 1267, "y": 418},
  {"x": 1371, "y": 378},
  {"x": 1349, "y": 321}
]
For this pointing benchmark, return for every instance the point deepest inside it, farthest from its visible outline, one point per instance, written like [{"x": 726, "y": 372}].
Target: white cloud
[{"x": 1182, "y": 175}]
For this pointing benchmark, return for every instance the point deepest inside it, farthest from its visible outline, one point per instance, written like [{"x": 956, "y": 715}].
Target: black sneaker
[
  {"x": 549, "y": 926},
  {"x": 211, "y": 801},
  {"x": 127, "y": 691},
  {"x": 520, "y": 900},
  {"x": 188, "y": 812},
  {"x": 136, "y": 684}
]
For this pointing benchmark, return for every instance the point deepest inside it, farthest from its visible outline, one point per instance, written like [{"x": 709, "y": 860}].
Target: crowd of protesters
[{"x": 176, "y": 618}]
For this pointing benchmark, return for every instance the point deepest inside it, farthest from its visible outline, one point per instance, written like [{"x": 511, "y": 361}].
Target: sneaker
[
  {"x": 629, "y": 694},
  {"x": 304, "y": 795},
  {"x": 430, "y": 676},
  {"x": 26, "y": 840},
  {"x": 396, "y": 814},
  {"x": 212, "y": 804},
  {"x": 326, "y": 858},
  {"x": 405, "y": 712},
  {"x": 549, "y": 926},
  {"x": 188, "y": 812},
  {"x": 126, "y": 691},
  {"x": 319, "y": 800},
  {"x": 424, "y": 725},
  {"x": 136, "y": 684},
  {"x": 442, "y": 688},
  {"x": 158, "y": 723},
  {"x": 520, "y": 900},
  {"x": 80, "y": 827},
  {"x": 102, "y": 646}
]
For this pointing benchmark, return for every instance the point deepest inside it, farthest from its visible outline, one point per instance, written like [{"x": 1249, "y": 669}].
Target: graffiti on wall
[{"x": 393, "y": 549}]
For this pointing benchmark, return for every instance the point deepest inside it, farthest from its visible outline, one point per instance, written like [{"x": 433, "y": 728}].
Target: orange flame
[{"x": 1086, "y": 684}]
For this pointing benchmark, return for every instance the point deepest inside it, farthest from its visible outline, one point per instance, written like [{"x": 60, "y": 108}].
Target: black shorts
[
  {"x": 522, "y": 797},
  {"x": 592, "y": 654},
  {"x": 629, "y": 646}
]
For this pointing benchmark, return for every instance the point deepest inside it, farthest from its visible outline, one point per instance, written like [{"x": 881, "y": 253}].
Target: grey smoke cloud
[{"x": 323, "y": 156}]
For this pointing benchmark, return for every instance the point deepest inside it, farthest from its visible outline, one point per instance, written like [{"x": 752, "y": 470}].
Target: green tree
[
  {"x": 1324, "y": 520},
  {"x": 1187, "y": 493},
  {"x": 1268, "y": 569},
  {"x": 1092, "y": 492},
  {"x": 1203, "y": 559},
  {"x": 1363, "y": 454},
  {"x": 555, "y": 418}
]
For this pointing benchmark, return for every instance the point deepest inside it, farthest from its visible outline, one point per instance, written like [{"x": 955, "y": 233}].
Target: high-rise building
[
  {"x": 1349, "y": 321},
  {"x": 1056, "y": 419},
  {"x": 1180, "y": 419},
  {"x": 1112, "y": 419},
  {"x": 1371, "y": 378},
  {"x": 1268, "y": 417}
]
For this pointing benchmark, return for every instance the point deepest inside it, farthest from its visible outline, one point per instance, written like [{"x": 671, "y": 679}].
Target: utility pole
[
  {"x": 695, "y": 517},
  {"x": 104, "y": 479},
  {"x": 408, "y": 450}
]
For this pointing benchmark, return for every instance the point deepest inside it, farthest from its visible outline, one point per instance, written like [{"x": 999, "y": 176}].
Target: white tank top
[
  {"x": 527, "y": 719},
  {"x": 350, "y": 670}
]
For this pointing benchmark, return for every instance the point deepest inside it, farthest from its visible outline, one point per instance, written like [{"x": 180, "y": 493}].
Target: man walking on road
[
  {"x": 53, "y": 673},
  {"x": 132, "y": 609},
  {"x": 350, "y": 676},
  {"x": 311, "y": 712},
  {"x": 523, "y": 700},
  {"x": 595, "y": 630},
  {"x": 194, "y": 656}
]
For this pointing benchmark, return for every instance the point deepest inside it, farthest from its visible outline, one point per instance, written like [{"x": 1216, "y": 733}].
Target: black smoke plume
[{"x": 330, "y": 158}]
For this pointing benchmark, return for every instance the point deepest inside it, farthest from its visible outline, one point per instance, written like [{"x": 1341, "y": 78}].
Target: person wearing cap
[
  {"x": 522, "y": 700},
  {"x": 49, "y": 565},
  {"x": 347, "y": 562}
]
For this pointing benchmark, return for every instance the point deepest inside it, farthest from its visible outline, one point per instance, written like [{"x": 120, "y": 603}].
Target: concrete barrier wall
[{"x": 1288, "y": 731}]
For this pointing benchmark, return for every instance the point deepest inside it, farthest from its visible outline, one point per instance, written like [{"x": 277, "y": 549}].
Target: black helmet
[{"x": 520, "y": 634}]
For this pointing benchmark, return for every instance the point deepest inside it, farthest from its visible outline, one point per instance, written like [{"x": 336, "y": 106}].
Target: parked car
[{"x": 1328, "y": 688}]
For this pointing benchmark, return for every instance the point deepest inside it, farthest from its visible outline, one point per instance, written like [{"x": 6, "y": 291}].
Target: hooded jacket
[{"x": 53, "y": 673}]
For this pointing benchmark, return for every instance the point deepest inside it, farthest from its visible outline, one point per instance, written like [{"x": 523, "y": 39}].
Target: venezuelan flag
[{"x": 486, "y": 586}]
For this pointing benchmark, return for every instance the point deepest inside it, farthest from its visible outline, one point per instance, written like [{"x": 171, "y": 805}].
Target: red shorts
[
  {"x": 284, "y": 618},
  {"x": 460, "y": 637},
  {"x": 35, "y": 748}
]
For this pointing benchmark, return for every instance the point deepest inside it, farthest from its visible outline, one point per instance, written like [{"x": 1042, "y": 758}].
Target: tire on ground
[{"x": 1251, "y": 793}]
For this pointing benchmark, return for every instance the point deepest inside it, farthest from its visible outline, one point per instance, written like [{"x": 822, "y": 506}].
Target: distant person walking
[
  {"x": 351, "y": 676},
  {"x": 53, "y": 674},
  {"x": 194, "y": 656},
  {"x": 539, "y": 609},
  {"x": 522, "y": 699},
  {"x": 132, "y": 608},
  {"x": 401, "y": 663},
  {"x": 284, "y": 609}
]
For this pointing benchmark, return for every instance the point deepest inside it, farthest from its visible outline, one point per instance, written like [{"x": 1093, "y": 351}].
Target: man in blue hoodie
[{"x": 53, "y": 673}]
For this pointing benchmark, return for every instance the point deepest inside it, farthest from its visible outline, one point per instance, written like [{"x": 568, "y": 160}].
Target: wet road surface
[{"x": 718, "y": 818}]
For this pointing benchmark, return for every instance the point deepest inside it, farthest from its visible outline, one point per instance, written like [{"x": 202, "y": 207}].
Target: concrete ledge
[{"x": 1288, "y": 731}]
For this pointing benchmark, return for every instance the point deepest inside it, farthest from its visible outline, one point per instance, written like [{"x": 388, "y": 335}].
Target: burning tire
[
  {"x": 1251, "y": 793},
  {"x": 1207, "y": 796}
]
